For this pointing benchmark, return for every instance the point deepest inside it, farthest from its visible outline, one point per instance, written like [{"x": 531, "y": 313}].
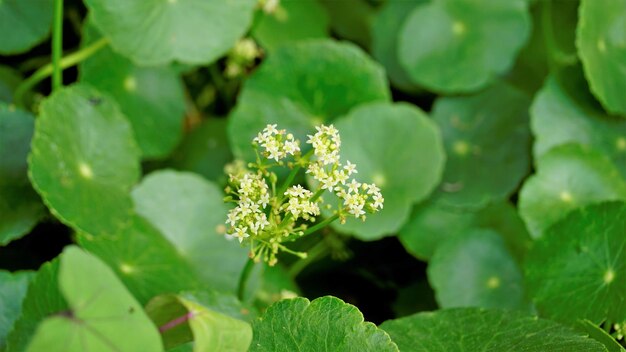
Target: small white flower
[
  {"x": 350, "y": 168},
  {"x": 353, "y": 186},
  {"x": 240, "y": 233}
]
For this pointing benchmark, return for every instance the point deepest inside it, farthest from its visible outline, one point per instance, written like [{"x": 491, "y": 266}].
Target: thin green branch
[
  {"x": 45, "y": 71},
  {"x": 319, "y": 251},
  {"x": 57, "y": 45},
  {"x": 320, "y": 225},
  {"x": 243, "y": 278}
]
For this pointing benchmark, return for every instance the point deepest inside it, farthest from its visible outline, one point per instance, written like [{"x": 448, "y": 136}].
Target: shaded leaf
[
  {"x": 13, "y": 288},
  {"x": 24, "y": 24}
]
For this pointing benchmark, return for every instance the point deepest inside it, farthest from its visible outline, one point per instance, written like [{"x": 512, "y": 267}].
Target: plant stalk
[
  {"x": 243, "y": 279},
  {"x": 320, "y": 225},
  {"x": 57, "y": 45}
]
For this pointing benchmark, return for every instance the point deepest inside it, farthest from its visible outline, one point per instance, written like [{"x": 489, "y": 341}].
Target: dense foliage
[{"x": 495, "y": 131}]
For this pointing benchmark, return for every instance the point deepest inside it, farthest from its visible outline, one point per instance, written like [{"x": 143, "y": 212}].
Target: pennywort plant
[{"x": 268, "y": 214}]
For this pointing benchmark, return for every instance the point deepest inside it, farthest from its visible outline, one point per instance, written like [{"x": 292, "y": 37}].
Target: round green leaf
[
  {"x": 432, "y": 224},
  {"x": 601, "y": 42},
  {"x": 83, "y": 158},
  {"x": 207, "y": 328},
  {"x": 205, "y": 151},
  {"x": 368, "y": 134},
  {"x": 20, "y": 207},
  {"x": 462, "y": 45},
  {"x": 562, "y": 112},
  {"x": 487, "y": 139},
  {"x": 23, "y": 24},
  {"x": 385, "y": 32},
  {"x": 42, "y": 300},
  {"x": 12, "y": 292},
  {"x": 577, "y": 270},
  {"x": 302, "y": 85},
  {"x": 190, "y": 211},
  {"x": 351, "y": 19},
  {"x": 291, "y": 21},
  {"x": 103, "y": 315},
  {"x": 476, "y": 269},
  {"x": 568, "y": 177},
  {"x": 154, "y": 32},
  {"x": 325, "y": 324},
  {"x": 151, "y": 97},
  {"x": 477, "y": 329},
  {"x": 143, "y": 259}
]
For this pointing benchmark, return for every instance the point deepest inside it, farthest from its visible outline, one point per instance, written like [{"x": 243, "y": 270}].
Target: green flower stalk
[{"x": 266, "y": 216}]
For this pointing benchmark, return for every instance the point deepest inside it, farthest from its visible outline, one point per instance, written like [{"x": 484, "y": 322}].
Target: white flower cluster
[
  {"x": 277, "y": 143},
  {"x": 248, "y": 216},
  {"x": 333, "y": 175},
  {"x": 300, "y": 204}
]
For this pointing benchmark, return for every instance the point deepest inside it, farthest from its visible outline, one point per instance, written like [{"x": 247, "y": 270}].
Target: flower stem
[
  {"x": 45, "y": 71},
  {"x": 320, "y": 225},
  {"x": 57, "y": 45},
  {"x": 243, "y": 279},
  {"x": 320, "y": 250}
]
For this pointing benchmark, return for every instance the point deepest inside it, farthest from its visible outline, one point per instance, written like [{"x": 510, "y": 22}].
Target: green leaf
[
  {"x": 453, "y": 46},
  {"x": 477, "y": 329},
  {"x": 205, "y": 151},
  {"x": 12, "y": 292},
  {"x": 350, "y": 19},
  {"x": 432, "y": 224},
  {"x": 24, "y": 24},
  {"x": 9, "y": 80},
  {"x": 292, "y": 20},
  {"x": 151, "y": 97},
  {"x": 577, "y": 269},
  {"x": 475, "y": 269},
  {"x": 599, "y": 335},
  {"x": 190, "y": 211},
  {"x": 386, "y": 28},
  {"x": 20, "y": 206},
  {"x": 84, "y": 157},
  {"x": 487, "y": 138},
  {"x": 183, "y": 319},
  {"x": 325, "y": 324},
  {"x": 155, "y": 32},
  {"x": 563, "y": 112},
  {"x": 42, "y": 299},
  {"x": 601, "y": 45},
  {"x": 568, "y": 177},
  {"x": 103, "y": 315},
  {"x": 368, "y": 134},
  {"x": 302, "y": 85},
  {"x": 143, "y": 259}
]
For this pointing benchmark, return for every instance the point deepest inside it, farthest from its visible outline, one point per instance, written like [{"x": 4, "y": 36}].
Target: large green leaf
[
  {"x": 190, "y": 211},
  {"x": 475, "y": 269},
  {"x": 205, "y": 151},
  {"x": 12, "y": 292},
  {"x": 385, "y": 32},
  {"x": 462, "y": 45},
  {"x": 42, "y": 299},
  {"x": 182, "y": 319},
  {"x": 84, "y": 157},
  {"x": 151, "y": 97},
  {"x": 476, "y": 329},
  {"x": 302, "y": 85},
  {"x": 563, "y": 112},
  {"x": 568, "y": 177},
  {"x": 601, "y": 41},
  {"x": 325, "y": 324},
  {"x": 432, "y": 224},
  {"x": 23, "y": 24},
  {"x": 577, "y": 269},
  {"x": 292, "y": 20},
  {"x": 143, "y": 259},
  {"x": 103, "y": 315},
  {"x": 20, "y": 207},
  {"x": 369, "y": 134},
  {"x": 153, "y": 32},
  {"x": 487, "y": 138}
]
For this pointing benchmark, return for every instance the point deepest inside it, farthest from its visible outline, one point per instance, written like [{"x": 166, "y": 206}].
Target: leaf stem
[
  {"x": 175, "y": 322},
  {"x": 320, "y": 225},
  {"x": 320, "y": 250},
  {"x": 45, "y": 71},
  {"x": 57, "y": 45},
  {"x": 243, "y": 279}
]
